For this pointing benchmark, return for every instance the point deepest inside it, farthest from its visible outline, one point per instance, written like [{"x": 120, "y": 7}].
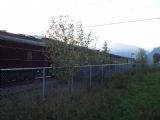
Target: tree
[
  {"x": 105, "y": 53},
  {"x": 84, "y": 41},
  {"x": 141, "y": 56},
  {"x": 156, "y": 57},
  {"x": 60, "y": 46},
  {"x": 67, "y": 44}
]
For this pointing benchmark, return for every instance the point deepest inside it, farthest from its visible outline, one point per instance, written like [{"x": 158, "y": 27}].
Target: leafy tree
[
  {"x": 60, "y": 46},
  {"x": 105, "y": 53},
  {"x": 156, "y": 57},
  {"x": 84, "y": 41},
  {"x": 141, "y": 56},
  {"x": 94, "y": 57},
  {"x": 67, "y": 44}
]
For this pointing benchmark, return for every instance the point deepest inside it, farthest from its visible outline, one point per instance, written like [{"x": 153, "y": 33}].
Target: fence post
[
  {"x": 0, "y": 79},
  {"x": 72, "y": 81},
  {"x": 137, "y": 68},
  {"x": 110, "y": 71},
  {"x": 90, "y": 77},
  {"x": 43, "y": 83},
  {"x": 102, "y": 74}
]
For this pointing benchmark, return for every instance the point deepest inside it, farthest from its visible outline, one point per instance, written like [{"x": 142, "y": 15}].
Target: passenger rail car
[{"x": 19, "y": 51}]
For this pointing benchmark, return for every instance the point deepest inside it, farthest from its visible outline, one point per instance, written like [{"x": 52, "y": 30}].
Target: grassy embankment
[{"x": 128, "y": 96}]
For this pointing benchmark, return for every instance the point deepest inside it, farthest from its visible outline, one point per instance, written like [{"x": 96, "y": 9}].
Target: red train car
[{"x": 20, "y": 51}]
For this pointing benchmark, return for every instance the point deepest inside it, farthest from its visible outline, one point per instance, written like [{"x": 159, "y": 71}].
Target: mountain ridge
[{"x": 124, "y": 50}]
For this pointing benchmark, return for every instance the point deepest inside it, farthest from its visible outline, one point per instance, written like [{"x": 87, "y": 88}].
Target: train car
[
  {"x": 20, "y": 51},
  {"x": 116, "y": 59}
]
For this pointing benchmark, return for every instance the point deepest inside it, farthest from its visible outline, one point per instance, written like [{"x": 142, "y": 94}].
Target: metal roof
[{"x": 24, "y": 40}]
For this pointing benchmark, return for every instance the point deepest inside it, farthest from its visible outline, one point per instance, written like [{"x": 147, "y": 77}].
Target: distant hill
[
  {"x": 38, "y": 36},
  {"x": 123, "y": 49},
  {"x": 150, "y": 55}
]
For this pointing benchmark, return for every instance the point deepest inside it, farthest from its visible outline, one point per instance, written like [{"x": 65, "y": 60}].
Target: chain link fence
[{"x": 44, "y": 82}]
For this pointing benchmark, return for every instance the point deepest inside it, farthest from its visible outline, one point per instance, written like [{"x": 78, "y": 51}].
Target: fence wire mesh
[{"x": 49, "y": 81}]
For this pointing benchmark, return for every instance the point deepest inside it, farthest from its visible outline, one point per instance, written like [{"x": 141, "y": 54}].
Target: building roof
[{"x": 20, "y": 38}]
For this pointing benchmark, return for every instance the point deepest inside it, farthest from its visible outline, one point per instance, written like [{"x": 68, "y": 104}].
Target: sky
[{"x": 33, "y": 17}]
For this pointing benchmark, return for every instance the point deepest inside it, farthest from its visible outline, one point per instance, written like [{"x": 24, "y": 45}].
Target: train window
[{"x": 29, "y": 55}]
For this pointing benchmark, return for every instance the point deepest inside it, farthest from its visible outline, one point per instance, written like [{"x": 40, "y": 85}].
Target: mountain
[
  {"x": 123, "y": 49},
  {"x": 38, "y": 36},
  {"x": 150, "y": 55}
]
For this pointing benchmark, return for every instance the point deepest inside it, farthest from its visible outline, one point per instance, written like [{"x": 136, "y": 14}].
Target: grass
[{"x": 129, "y": 96}]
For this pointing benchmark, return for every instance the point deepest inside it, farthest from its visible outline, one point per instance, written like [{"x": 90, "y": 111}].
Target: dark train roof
[
  {"x": 20, "y": 38},
  {"x": 117, "y": 56}
]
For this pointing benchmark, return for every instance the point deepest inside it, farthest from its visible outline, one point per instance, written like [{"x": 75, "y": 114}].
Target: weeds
[{"x": 128, "y": 96}]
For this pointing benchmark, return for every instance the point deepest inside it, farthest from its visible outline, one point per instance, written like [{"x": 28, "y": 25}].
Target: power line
[
  {"x": 121, "y": 22},
  {"x": 114, "y": 23}
]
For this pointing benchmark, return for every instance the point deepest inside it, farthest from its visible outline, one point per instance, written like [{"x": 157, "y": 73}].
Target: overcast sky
[{"x": 34, "y": 16}]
